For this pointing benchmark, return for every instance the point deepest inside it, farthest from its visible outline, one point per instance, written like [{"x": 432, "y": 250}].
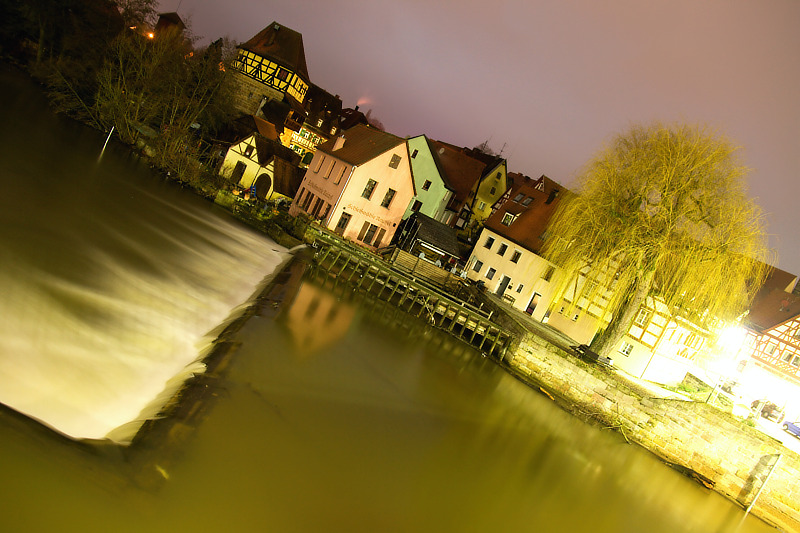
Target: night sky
[{"x": 549, "y": 82}]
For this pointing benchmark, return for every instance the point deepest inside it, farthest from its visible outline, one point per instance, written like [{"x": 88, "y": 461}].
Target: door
[
  {"x": 504, "y": 281},
  {"x": 533, "y": 303}
]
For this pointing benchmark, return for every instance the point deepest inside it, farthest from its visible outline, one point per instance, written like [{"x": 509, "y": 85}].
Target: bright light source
[{"x": 151, "y": 35}]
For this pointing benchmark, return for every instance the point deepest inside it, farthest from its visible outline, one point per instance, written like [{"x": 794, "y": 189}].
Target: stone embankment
[{"x": 712, "y": 446}]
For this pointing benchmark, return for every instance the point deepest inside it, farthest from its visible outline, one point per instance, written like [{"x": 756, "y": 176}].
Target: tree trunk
[{"x": 608, "y": 340}]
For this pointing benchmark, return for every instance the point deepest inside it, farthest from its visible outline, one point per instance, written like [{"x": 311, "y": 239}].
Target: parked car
[
  {"x": 584, "y": 352},
  {"x": 792, "y": 427},
  {"x": 770, "y": 411}
]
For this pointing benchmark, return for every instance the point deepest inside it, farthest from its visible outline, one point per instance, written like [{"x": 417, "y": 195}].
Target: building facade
[{"x": 358, "y": 185}]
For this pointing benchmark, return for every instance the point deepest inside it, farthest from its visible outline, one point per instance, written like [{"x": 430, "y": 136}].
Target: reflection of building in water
[{"x": 317, "y": 318}]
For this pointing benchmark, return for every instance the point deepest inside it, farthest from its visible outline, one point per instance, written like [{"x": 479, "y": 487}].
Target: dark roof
[
  {"x": 282, "y": 45},
  {"x": 460, "y": 171},
  {"x": 361, "y": 144},
  {"x": 352, "y": 117},
  {"x": 321, "y": 104},
  {"x": 437, "y": 234},
  {"x": 286, "y": 178},
  {"x": 775, "y": 303},
  {"x": 542, "y": 196},
  {"x": 167, "y": 21}
]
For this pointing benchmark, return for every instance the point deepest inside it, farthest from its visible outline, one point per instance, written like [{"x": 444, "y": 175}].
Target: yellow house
[{"x": 261, "y": 165}]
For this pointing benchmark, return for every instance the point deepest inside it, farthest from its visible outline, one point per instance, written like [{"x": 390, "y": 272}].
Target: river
[{"x": 331, "y": 414}]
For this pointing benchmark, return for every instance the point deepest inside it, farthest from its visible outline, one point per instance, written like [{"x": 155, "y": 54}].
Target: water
[
  {"x": 111, "y": 277},
  {"x": 331, "y": 415}
]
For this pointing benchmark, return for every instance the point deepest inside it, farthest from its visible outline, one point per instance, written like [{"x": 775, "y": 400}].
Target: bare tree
[{"x": 664, "y": 212}]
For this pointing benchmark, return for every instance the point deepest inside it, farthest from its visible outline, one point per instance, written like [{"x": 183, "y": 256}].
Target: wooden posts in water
[{"x": 363, "y": 271}]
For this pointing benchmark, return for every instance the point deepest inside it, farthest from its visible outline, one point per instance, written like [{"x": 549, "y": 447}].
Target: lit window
[
  {"x": 481, "y": 206},
  {"x": 369, "y": 189},
  {"x": 502, "y": 250},
  {"x": 248, "y": 151},
  {"x": 387, "y": 199},
  {"x": 490, "y": 273},
  {"x": 477, "y": 266},
  {"x": 515, "y": 257},
  {"x": 319, "y": 123},
  {"x": 771, "y": 349},
  {"x": 508, "y": 219},
  {"x": 395, "y": 162},
  {"x": 427, "y": 184},
  {"x": 626, "y": 349},
  {"x": 489, "y": 242},
  {"x": 643, "y": 317}
]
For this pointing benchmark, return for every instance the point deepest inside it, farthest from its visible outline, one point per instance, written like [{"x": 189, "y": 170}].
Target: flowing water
[{"x": 331, "y": 415}]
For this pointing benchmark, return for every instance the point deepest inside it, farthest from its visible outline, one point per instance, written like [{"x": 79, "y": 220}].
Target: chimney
[{"x": 338, "y": 143}]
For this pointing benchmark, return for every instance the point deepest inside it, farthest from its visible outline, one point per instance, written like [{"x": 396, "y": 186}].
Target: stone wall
[{"x": 702, "y": 441}]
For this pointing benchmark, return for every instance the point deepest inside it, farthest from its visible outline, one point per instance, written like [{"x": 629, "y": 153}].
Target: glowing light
[{"x": 151, "y": 35}]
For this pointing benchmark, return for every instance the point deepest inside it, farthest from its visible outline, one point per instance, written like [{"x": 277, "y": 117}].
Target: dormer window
[
  {"x": 508, "y": 219},
  {"x": 319, "y": 123},
  {"x": 518, "y": 198},
  {"x": 527, "y": 201},
  {"x": 333, "y": 130}
]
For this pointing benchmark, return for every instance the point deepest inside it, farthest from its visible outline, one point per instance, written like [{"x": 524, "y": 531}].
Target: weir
[{"x": 345, "y": 264}]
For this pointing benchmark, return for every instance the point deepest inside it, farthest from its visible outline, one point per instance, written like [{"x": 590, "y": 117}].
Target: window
[
  {"x": 333, "y": 131},
  {"x": 379, "y": 238},
  {"x": 643, "y": 317},
  {"x": 519, "y": 287},
  {"x": 238, "y": 171},
  {"x": 367, "y": 232},
  {"x": 489, "y": 242},
  {"x": 796, "y": 361},
  {"x": 414, "y": 154},
  {"x": 282, "y": 74},
  {"x": 342, "y": 224},
  {"x": 481, "y": 206},
  {"x": 502, "y": 250},
  {"x": 527, "y": 201},
  {"x": 575, "y": 317},
  {"x": 508, "y": 219},
  {"x": 395, "y": 162},
  {"x": 317, "y": 206},
  {"x": 369, "y": 189},
  {"x": 770, "y": 349},
  {"x": 319, "y": 163},
  {"x": 319, "y": 123},
  {"x": 248, "y": 151},
  {"x": 387, "y": 198},
  {"x": 548, "y": 274},
  {"x": 417, "y": 206},
  {"x": 339, "y": 175},
  {"x": 492, "y": 190},
  {"x": 788, "y": 357},
  {"x": 330, "y": 169},
  {"x": 426, "y": 185},
  {"x": 626, "y": 349},
  {"x": 518, "y": 198},
  {"x": 516, "y": 256},
  {"x": 490, "y": 273},
  {"x": 307, "y": 201},
  {"x": 477, "y": 266}
]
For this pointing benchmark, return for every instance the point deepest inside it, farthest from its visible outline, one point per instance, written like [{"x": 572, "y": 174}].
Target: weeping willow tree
[{"x": 661, "y": 212}]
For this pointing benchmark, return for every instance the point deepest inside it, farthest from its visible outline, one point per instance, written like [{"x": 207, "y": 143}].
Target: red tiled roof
[
  {"x": 361, "y": 144},
  {"x": 542, "y": 195}
]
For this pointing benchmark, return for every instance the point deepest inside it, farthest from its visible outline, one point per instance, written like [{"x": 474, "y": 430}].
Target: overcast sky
[{"x": 548, "y": 82}]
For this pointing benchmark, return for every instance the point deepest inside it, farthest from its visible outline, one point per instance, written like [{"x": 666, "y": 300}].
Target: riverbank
[{"x": 716, "y": 449}]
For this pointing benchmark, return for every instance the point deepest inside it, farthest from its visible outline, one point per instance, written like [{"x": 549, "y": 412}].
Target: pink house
[{"x": 358, "y": 185}]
